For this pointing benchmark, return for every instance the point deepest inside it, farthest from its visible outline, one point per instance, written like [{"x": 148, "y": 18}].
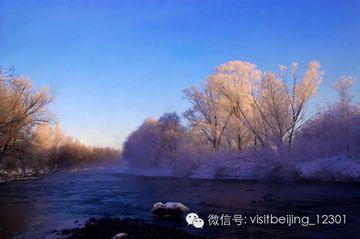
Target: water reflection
[{"x": 14, "y": 217}]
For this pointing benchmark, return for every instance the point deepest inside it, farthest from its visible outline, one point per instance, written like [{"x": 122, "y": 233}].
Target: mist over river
[{"x": 36, "y": 208}]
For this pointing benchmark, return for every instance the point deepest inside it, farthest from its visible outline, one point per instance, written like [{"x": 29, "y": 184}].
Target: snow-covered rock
[
  {"x": 169, "y": 209},
  {"x": 120, "y": 236}
]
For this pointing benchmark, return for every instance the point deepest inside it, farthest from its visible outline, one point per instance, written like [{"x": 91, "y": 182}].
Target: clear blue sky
[{"x": 111, "y": 64}]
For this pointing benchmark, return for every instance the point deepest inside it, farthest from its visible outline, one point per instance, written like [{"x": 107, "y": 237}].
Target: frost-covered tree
[
  {"x": 343, "y": 87},
  {"x": 300, "y": 93},
  {"x": 236, "y": 135},
  {"x": 52, "y": 149},
  {"x": 335, "y": 130},
  {"x": 22, "y": 108},
  {"x": 141, "y": 149},
  {"x": 170, "y": 131},
  {"x": 162, "y": 145},
  {"x": 234, "y": 81},
  {"x": 268, "y": 106},
  {"x": 154, "y": 143},
  {"x": 208, "y": 113}
]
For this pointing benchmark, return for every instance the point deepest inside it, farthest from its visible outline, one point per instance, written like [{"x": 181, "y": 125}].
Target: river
[{"x": 35, "y": 208}]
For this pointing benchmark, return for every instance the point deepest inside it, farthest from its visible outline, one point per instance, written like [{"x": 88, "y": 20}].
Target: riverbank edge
[{"x": 129, "y": 228}]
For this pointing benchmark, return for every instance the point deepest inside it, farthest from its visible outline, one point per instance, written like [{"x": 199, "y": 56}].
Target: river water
[{"x": 35, "y": 208}]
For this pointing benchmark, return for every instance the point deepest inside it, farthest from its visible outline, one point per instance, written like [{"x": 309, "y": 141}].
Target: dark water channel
[{"x": 33, "y": 209}]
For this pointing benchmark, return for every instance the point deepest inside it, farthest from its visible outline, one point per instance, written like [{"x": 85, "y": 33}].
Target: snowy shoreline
[{"x": 322, "y": 170}]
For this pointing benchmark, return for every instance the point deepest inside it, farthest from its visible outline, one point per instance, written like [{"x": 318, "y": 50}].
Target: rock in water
[
  {"x": 268, "y": 197},
  {"x": 120, "y": 236},
  {"x": 169, "y": 209}
]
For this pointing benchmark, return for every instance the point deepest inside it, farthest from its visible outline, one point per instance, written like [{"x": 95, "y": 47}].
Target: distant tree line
[
  {"x": 30, "y": 142},
  {"x": 239, "y": 110}
]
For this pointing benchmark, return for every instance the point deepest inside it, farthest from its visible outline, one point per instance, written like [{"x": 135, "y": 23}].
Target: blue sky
[{"x": 111, "y": 64}]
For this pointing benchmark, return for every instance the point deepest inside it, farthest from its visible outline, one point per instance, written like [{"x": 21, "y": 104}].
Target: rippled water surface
[{"x": 34, "y": 209}]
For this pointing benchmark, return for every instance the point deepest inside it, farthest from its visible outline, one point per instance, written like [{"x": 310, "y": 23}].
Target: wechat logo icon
[{"x": 195, "y": 220}]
